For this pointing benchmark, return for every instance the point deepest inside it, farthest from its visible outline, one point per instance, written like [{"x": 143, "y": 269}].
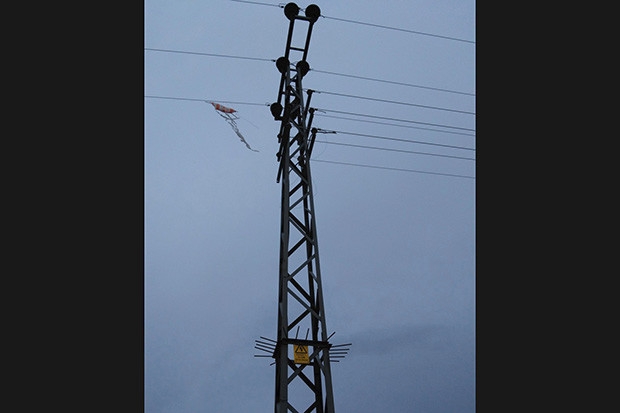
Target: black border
[{"x": 83, "y": 227}]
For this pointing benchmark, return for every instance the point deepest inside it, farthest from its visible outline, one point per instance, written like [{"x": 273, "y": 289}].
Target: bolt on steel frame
[{"x": 304, "y": 384}]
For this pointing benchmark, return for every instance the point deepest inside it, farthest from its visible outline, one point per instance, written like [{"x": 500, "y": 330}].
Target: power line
[
  {"x": 400, "y": 29},
  {"x": 393, "y": 169},
  {"x": 367, "y": 24},
  {"x": 206, "y": 100},
  {"x": 345, "y": 144},
  {"x": 211, "y": 54},
  {"x": 392, "y": 124},
  {"x": 393, "y": 82},
  {"x": 325, "y": 110},
  {"x": 395, "y": 150},
  {"x": 314, "y": 70},
  {"x": 399, "y": 140},
  {"x": 388, "y": 118},
  {"x": 257, "y": 2},
  {"x": 393, "y": 101},
  {"x": 341, "y": 132}
]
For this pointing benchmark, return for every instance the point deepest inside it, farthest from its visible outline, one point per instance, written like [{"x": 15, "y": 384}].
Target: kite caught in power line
[{"x": 229, "y": 115}]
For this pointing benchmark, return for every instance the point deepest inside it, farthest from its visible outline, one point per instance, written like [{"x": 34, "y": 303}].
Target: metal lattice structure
[{"x": 303, "y": 380}]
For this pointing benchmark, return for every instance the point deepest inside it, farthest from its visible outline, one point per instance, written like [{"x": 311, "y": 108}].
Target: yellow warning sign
[{"x": 301, "y": 354}]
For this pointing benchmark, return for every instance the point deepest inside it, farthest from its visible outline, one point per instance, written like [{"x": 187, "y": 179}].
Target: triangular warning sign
[{"x": 300, "y": 354}]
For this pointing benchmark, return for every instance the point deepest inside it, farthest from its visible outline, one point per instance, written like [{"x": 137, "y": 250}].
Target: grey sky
[{"x": 397, "y": 248}]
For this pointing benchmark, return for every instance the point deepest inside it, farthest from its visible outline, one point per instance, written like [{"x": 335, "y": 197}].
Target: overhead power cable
[
  {"x": 388, "y": 118},
  {"x": 394, "y": 102},
  {"x": 211, "y": 54},
  {"x": 392, "y": 124},
  {"x": 345, "y": 144},
  {"x": 206, "y": 100},
  {"x": 397, "y": 139},
  {"x": 314, "y": 70},
  {"x": 394, "y": 150},
  {"x": 393, "y": 169},
  {"x": 392, "y": 82},
  {"x": 258, "y": 2},
  {"x": 342, "y": 132},
  {"x": 281, "y": 5},
  {"x": 400, "y": 29}
]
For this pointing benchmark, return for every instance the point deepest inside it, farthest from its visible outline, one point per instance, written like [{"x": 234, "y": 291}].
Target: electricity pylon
[{"x": 303, "y": 373}]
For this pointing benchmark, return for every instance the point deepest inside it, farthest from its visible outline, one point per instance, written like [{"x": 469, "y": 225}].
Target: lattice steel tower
[{"x": 303, "y": 381}]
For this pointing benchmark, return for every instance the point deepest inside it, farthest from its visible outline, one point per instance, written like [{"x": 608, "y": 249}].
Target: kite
[{"x": 229, "y": 115}]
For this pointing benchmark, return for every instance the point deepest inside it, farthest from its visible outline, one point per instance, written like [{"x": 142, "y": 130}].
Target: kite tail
[{"x": 233, "y": 124}]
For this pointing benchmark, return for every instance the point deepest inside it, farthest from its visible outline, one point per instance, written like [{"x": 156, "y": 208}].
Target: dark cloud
[{"x": 384, "y": 341}]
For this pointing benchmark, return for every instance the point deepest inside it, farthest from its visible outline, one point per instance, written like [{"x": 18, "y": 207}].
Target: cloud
[{"x": 385, "y": 341}]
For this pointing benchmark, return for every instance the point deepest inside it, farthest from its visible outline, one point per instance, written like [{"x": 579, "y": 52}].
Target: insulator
[
  {"x": 313, "y": 12},
  {"x": 282, "y": 64},
  {"x": 291, "y": 10},
  {"x": 302, "y": 67},
  {"x": 276, "y": 110}
]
